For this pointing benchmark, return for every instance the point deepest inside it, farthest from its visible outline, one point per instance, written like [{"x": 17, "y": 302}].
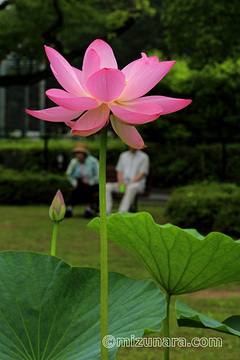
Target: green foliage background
[
  {"x": 207, "y": 207},
  {"x": 202, "y": 36},
  {"x": 173, "y": 165},
  {"x": 198, "y": 143}
]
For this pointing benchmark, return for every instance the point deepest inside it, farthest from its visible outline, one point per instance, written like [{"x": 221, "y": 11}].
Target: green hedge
[
  {"x": 173, "y": 165},
  {"x": 206, "y": 207},
  {"x": 27, "y": 188},
  {"x": 35, "y": 156}
]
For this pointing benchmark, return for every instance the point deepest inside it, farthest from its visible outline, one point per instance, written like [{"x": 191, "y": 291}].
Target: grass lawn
[{"x": 29, "y": 228}]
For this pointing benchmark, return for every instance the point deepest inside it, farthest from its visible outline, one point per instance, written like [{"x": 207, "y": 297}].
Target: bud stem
[{"x": 54, "y": 238}]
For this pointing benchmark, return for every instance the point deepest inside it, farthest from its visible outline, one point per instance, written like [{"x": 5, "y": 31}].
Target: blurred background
[
  {"x": 194, "y": 153},
  {"x": 202, "y": 36},
  {"x": 200, "y": 143}
]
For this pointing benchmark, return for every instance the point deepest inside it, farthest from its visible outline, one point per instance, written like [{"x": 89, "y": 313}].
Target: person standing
[
  {"x": 83, "y": 174},
  {"x": 132, "y": 170}
]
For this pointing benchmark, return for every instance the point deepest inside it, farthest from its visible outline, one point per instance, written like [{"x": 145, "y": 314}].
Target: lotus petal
[
  {"x": 55, "y": 114},
  {"x": 168, "y": 104},
  {"x": 144, "y": 80},
  {"x": 106, "y": 84},
  {"x": 135, "y": 112},
  {"x": 92, "y": 121},
  {"x": 91, "y": 64},
  {"x": 136, "y": 65},
  {"x": 63, "y": 72},
  {"x": 127, "y": 133},
  {"x": 68, "y": 101},
  {"x": 105, "y": 53}
]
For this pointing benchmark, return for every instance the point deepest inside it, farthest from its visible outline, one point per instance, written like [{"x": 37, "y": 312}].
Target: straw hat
[{"x": 80, "y": 148}]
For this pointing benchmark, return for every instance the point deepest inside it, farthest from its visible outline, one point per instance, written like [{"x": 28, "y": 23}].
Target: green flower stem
[
  {"x": 166, "y": 332},
  {"x": 54, "y": 238},
  {"x": 103, "y": 240}
]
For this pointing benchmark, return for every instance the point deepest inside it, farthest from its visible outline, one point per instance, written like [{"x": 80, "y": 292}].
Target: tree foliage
[
  {"x": 201, "y": 35},
  {"x": 67, "y": 25},
  {"x": 213, "y": 115},
  {"x": 204, "y": 30}
]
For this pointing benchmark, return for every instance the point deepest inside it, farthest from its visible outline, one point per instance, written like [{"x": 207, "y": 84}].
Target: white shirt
[{"x": 130, "y": 165}]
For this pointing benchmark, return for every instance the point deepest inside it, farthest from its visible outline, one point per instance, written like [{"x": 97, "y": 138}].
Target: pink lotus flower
[{"x": 101, "y": 87}]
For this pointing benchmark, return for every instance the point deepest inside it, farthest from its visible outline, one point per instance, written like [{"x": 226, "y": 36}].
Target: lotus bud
[{"x": 57, "y": 209}]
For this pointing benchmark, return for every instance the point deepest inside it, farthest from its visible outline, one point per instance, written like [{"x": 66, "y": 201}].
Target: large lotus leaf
[
  {"x": 50, "y": 310},
  {"x": 191, "y": 231},
  {"x": 186, "y": 316},
  {"x": 180, "y": 261}
]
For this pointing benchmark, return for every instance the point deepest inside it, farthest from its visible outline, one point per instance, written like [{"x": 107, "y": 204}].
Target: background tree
[
  {"x": 67, "y": 25},
  {"x": 202, "y": 35},
  {"x": 203, "y": 30}
]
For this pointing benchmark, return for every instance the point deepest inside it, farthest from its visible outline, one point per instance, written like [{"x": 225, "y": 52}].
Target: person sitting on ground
[
  {"x": 132, "y": 169},
  {"x": 83, "y": 174}
]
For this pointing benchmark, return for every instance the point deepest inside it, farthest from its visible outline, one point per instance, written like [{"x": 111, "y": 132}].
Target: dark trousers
[{"x": 83, "y": 194}]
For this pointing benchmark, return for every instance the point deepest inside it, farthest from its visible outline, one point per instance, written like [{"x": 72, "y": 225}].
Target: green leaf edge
[
  {"x": 188, "y": 317},
  {"x": 95, "y": 223}
]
